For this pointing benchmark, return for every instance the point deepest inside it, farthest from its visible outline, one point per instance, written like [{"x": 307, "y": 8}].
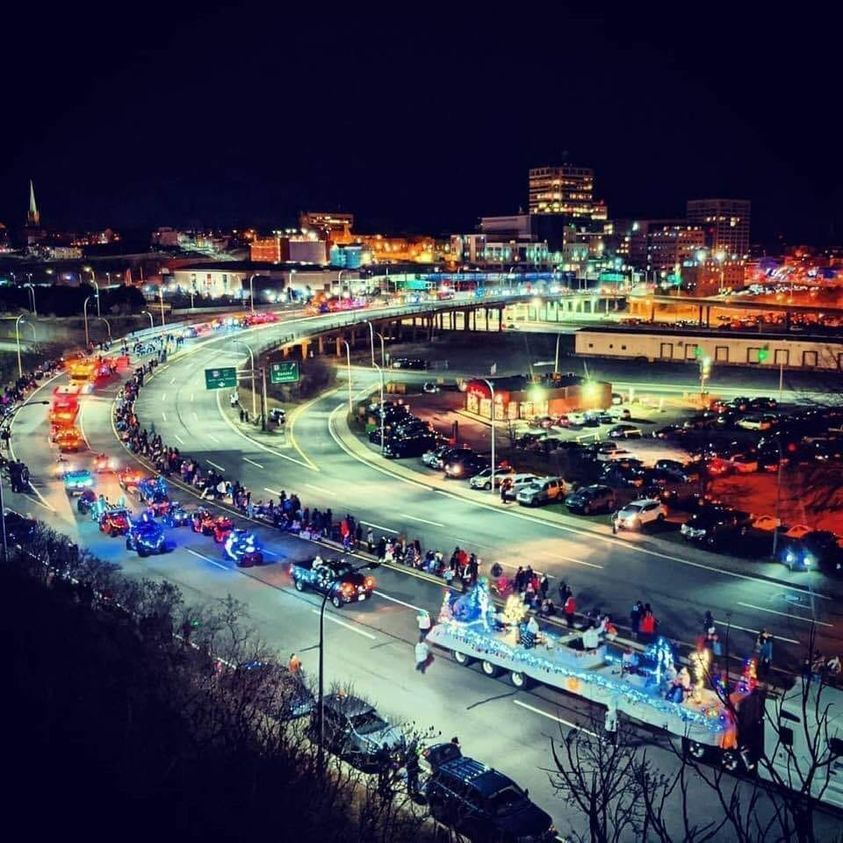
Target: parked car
[
  {"x": 436, "y": 457},
  {"x": 625, "y": 431},
  {"x": 745, "y": 463},
  {"x": 638, "y": 514},
  {"x": 482, "y": 804},
  {"x": 518, "y": 483},
  {"x": 613, "y": 454},
  {"x": 483, "y": 479},
  {"x": 466, "y": 465},
  {"x": 408, "y": 446},
  {"x": 712, "y": 524},
  {"x": 590, "y": 499},
  {"x": 541, "y": 491},
  {"x": 408, "y": 363},
  {"x": 817, "y": 549},
  {"x": 355, "y": 731}
]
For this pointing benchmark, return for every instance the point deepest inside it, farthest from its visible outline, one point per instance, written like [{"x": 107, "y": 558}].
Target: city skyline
[{"x": 139, "y": 136}]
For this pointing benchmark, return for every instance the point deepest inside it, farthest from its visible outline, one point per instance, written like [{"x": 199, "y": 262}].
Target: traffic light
[{"x": 763, "y": 354}]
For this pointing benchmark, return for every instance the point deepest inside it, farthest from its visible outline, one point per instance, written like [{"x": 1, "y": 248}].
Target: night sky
[{"x": 421, "y": 118}]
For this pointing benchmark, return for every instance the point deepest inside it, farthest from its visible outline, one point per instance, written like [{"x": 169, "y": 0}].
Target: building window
[
  {"x": 809, "y": 359},
  {"x": 721, "y": 354},
  {"x": 666, "y": 352},
  {"x": 752, "y": 355},
  {"x": 623, "y": 348},
  {"x": 690, "y": 351}
]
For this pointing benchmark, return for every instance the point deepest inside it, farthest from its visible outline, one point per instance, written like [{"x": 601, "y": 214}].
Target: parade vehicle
[
  {"x": 222, "y": 529},
  {"x": 104, "y": 463},
  {"x": 69, "y": 439},
  {"x": 218, "y": 526},
  {"x": 82, "y": 373},
  {"x": 129, "y": 478},
  {"x": 116, "y": 521},
  {"x": 333, "y": 577},
  {"x": 64, "y": 406},
  {"x": 152, "y": 491},
  {"x": 479, "y": 802},
  {"x": 146, "y": 537},
  {"x": 242, "y": 548},
  {"x": 77, "y": 480},
  {"x": 86, "y": 502},
  {"x": 177, "y": 516},
  {"x": 355, "y": 731},
  {"x": 737, "y": 727}
]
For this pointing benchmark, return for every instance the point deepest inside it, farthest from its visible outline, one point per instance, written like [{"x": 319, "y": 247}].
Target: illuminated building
[
  {"x": 725, "y": 222},
  {"x": 661, "y": 245},
  {"x": 565, "y": 190},
  {"x": 332, "y": 227},
  {"x": 292, "y": 246}
]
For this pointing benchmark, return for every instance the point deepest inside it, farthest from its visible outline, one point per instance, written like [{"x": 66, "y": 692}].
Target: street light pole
[
  {"x": 97, "y": 287},
  {"x": 372, "y": 339},
  {"x": 492, "y": 414},
  {"x": 31, "y": 288},
  {"x": 383, "y": 351},
  {"x": 161, "y": 296},
  {"x": 781, "y": 377},
  {"x": 85, "y": 317},
  {"x": 17, "y": 342},
  {"x": 348, "y": 362},
  {"x": 252, "y": 292},
  {"x": 151, "y": 320},
  {"x": 778, "y": 497},
  {"x": 254, "y": 376}
]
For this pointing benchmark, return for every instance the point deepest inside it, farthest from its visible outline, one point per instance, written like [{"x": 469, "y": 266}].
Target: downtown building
[{"x": 725, "y": 223}]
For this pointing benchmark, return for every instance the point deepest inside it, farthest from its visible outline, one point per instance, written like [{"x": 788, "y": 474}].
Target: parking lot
[{"x": 746, "y": 474}]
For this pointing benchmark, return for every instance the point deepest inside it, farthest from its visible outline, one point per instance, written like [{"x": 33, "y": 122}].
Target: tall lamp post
[
  {"x": 380, "y": 372},
  {"x": 8, "y": 421},
  {"x": 348, "y": 366},
  {"x": 151, "y": 320},
  {"x": 31, "y": 288},
  {"x": 252, "y": 291},
  {"x": 492, "y": 415},
  {"x": 320, "y": 701},
  {"x": 97, "y": 287},
  {"x": 161, "y": 296},
  {"x": 254, "y": 376},
  {"x": 17, "y": 343},
  {"x": 778, "y": 498},
  {"x": 85, "y": 317}
]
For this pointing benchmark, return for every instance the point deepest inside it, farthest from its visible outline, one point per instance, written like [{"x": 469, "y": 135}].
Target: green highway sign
[
  {"x": 286, "y": 371},
  {"x": 224, "y": 378}
]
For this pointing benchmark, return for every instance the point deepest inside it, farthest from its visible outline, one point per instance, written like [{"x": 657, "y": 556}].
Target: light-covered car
[
  {"x": 483, "y": 479},
  {"x": 637, "y": 514},
  {"x": 767, "y": 523}
]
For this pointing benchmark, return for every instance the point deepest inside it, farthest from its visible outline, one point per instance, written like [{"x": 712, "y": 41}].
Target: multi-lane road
[{"x": 371, "y": 645}]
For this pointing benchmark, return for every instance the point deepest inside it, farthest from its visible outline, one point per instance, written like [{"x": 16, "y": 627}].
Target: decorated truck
[{"x": 732, "y": 725}]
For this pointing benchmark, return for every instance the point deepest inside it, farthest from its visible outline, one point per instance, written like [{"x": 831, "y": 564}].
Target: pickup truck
[{"x": 333, "y": 577}]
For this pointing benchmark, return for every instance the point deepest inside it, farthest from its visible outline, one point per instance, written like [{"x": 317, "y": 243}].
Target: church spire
[{"x": 33, "y": 217}]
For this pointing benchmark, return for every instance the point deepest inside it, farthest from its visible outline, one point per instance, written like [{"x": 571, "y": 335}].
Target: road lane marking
[
  {"x": 785, "y": 614},
  {"x": 728, "y": 625},
  {"x": 163, "y": 396},
  {"x": 554, "y": 717},
  {"x": 207, "y": 559},
  {"x": 42, "y": 502},
  {"x": 164, "y": 415},
  {"x": 172, "y": 380},
  {"x": 215, "y": 465},
  {"x": 191, "y": 396},
  {"x": 400, "y": 602},
  {"x": 196, "y": 415},
  {"x": 424, "y": 520},
  {"x": 272, "y": 491},
  {"x": 178, "y": 438},
  {"x": 256, "y": 464},
  {"x": 377, "y": 526},
  {"x": 321, "y": 489},
  {"x": 346, "y": 625}
]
